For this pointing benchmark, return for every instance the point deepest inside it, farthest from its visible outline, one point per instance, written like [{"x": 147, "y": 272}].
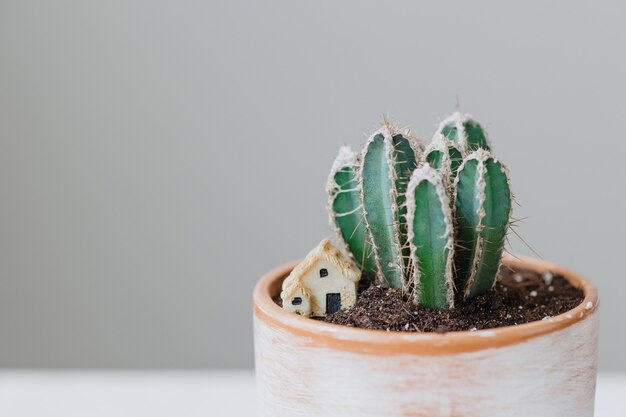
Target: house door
[{"x": 333, "y": 303}]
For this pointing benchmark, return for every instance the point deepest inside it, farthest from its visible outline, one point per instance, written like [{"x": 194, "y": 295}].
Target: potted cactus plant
[{"x": 426, "y": 227}]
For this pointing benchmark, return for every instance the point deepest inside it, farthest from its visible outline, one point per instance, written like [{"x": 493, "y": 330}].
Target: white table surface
[{"x": 174, "y": 394}]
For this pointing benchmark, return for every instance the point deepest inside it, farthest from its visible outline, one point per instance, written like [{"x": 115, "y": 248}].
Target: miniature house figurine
[{"x": 323, "y": 283}]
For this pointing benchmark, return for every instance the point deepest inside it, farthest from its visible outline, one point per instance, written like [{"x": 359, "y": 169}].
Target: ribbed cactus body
[
  {"x": 443, "y": 230},
  {"x": 346, "y": 209},
  {"x": 482, "y": 211},
  {"x": 387, "y": 162},
  {"x": 405, "y": 161},
  {"x": 431, "y": 238},
  {"x": 466, "y": 133},
  {"x": 444, "y": 156}
]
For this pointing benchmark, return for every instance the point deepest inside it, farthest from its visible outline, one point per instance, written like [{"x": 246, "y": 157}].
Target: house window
[
  {"x": 323, "y": 272},
  {"x": 296, "y": 301}
]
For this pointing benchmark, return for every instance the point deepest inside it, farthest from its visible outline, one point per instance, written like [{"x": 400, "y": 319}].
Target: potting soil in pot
[{"x": 518, "y": 297}]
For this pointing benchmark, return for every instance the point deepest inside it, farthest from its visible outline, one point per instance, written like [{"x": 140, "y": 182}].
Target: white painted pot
[{"x": 309, "y": 368}]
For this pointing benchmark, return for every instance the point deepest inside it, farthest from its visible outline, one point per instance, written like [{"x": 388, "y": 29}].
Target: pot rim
[{"x": 380, "y": 342}]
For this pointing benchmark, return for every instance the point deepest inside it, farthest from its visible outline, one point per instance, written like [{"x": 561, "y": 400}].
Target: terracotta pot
[{"x": 309, "y": 368}]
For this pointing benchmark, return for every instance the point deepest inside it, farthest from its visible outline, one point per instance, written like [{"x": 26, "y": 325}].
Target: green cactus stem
[
  {"x": 406, "y": 160},
  {"x": 407, "y": 233},
  {"x": 387, "y": 161},
  {"x": 482, "y": 210},
  {"x": 465, "y": 132},
  {"x": 431, "y": 238},
  {"x": 346, "y": 211},
  {"x": 443, "y": 156}
]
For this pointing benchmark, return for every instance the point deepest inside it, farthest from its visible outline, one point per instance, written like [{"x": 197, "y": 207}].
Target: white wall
[{"x": 157, "y": 157}]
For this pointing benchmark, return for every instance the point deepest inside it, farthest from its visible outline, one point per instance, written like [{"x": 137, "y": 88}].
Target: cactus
[
  {"x": 483, "y": 207},
  {"x": 442, "y": 154},
  {"x": 387, "y": 161},
  {"x": 346, "y": 209},
  {"x": 431, "y": 238},
  {"x": 442, "y": 231},
  {"x": 465, "y": 132}
]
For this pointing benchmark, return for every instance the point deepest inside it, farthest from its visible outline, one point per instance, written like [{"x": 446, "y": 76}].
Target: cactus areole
[{"x": 431, "y": 221}]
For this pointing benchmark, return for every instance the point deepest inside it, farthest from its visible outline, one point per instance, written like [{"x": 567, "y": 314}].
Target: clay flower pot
[{"x": 309, "y": 368}]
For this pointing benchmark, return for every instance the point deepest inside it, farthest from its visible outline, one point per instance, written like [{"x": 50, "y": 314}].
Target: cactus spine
[
  {"x": 482, "y": 210},
  {"x": 443, "y": 230},
  {"x": 346, "y": 210},
  {"x": 431, "y": 238},
  {"x": 387, "y": 161}
]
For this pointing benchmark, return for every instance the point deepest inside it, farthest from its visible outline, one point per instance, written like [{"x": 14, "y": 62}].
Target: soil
[{"x": 518, "y": 297}]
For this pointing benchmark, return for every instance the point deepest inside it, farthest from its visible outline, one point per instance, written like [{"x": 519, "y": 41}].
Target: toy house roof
[{"x": 325, "y": 251}]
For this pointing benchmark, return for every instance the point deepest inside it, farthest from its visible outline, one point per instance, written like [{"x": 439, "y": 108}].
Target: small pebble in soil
[{"x": 547, "y": 277}]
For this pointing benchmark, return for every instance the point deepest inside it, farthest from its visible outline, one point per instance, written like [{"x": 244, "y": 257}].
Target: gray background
[{"x": 157, "y": 157}]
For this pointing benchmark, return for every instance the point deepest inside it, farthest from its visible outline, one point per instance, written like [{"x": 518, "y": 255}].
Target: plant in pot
[{"x": 420, "y": 314}]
